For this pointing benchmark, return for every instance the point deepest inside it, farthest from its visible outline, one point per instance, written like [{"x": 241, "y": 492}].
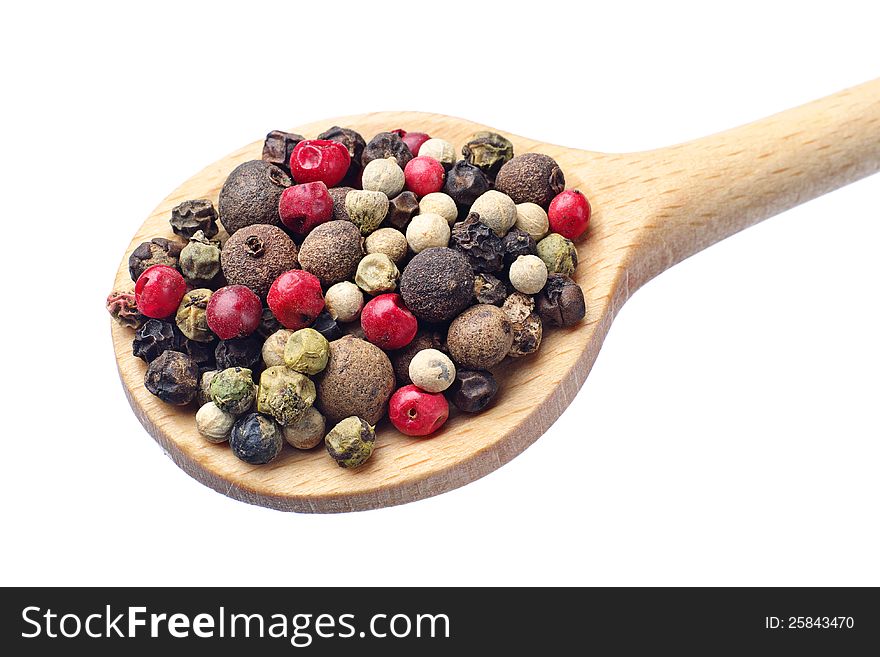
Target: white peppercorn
[
  {"x": 344, "y": 301},
  {"x": 496, "y": 210},
  {"x": 307, "y": 431},
  {"x": 273, "y": 347},
  {"x": 389, "y": 241},
  {"x": 431, "y": 370},
  {"x": 426, "y": 231},
  {"x": 366, "y": 209},
  {"x": 528, "y": 274},
  {"x": 376, "y": 273},
  {"x": 532, "y": 218},
  {"x": 439, "y": 203},
  {"x": 383, "y": 175},
  {"x": 440, "y": 149},
  {"x": 214, "y": 424}
]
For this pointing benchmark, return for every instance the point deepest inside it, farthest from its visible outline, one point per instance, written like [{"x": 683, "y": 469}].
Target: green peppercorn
[
  {"x": 559, "y": 254},
  {"x": 284, "y": 394},
  {"x": 488, "y": 151},
  {"x": 192, "y": 318},
  {"x": 350, "y": 442},
  {"x": 233, "y": 390},
  {"x": 200, "y": 260},
  {"x": 306, "y": 351}
]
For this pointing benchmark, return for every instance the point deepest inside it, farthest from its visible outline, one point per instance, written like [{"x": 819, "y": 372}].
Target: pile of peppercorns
[{"x": 450, "y": 265}]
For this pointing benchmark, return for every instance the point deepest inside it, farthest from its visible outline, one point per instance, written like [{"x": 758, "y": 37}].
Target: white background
[{"x": 728, "y": 433}]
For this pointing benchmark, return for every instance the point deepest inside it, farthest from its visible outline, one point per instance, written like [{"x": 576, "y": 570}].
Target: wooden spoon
[{"x": 651, "y": 210}]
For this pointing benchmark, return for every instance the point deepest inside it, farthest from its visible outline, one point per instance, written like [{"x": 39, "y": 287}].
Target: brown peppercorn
[
  {"x": 355, "y": 144},
  {"x": 401, "y": 358},
  {"x": 487, "y": 150},
  {"x": 489, "y": 289},
  {"x": 472, "y": 390},
  {"x": 401, "y": 209},
  {"x": 158, "y": 251},
  {"x": 173, "y": 377},
  {"x": 278, "y": 147},
  {"x": 387, "y": 144},
  {"x": 480, "y": 337},
  {"x": 437, "y": 284},
  {"x": 332, "y": 251},
  {"x": 478, "y": 243},
  {"x": 561, "y": 302},
  {"x": 531, "y": 178},
  {"x": 358, "y": 380},
  {"x": 122, "y": 307},
  {"x": 256, "y": 255},
  {"x": 527, "y": 327},
  {"x": 465, "y": 183},
  {"x": 337, "y": 194},
  {"x": 250, "y": 195},
  {"x": 190, "y": 217}
]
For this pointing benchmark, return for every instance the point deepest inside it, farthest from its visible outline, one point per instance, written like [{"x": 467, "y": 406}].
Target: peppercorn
[
  {"x": 355, "y": 144},
  {"x": 256, "y": 255},
  {"x": 384, "y": 145},
  {"x": 496, "y": 210},
  {"x": 366, "y": 209},
  {"x": 427, "y": 231},
  {"x": 488, "y": 151},
  {"x": 358, "y": 380},
  {"x": 532, "y": 219},
  {"x": 344, "y": 301},
  {"x": 153, "y": 338},
  {"x": 465, "y": 183},
  {"x": 233, "y": 390},
  {"x": 350, "y": 442},
  {"x": 389, "y": 241},
  {"x": 158, "y": 251},
  {"x": 200, "y": 261},
  {"x": 273, "y": 348},
  {"x": 480, "y": 337},
  {"x": 190, "y": 217},
  {"x": 284, "y": 394},
  {"x": 517, "y": 243},
  {"x": 531, "y": 178},
  {"x": 478, "y": 243},
  {"x": 327, "y": 326},
  {"x": 401, "y": 209},
  {"x": 123, "y": 308},
  {"x": 439, "y": 203},
  {"x": 255, "y": 439},
  {"x": 489, "y": 289},
  {"x": 383, "y": 176},
  {"x": 239, "y": 352},
  {"x": 305, "y": 432},
  {"x": 173, "y": 377},
  {"x": 401, "y": 358},
  {"x": 431, "y": 370},
  {"x": 440, "y": 150},
  {"x": 191, "y": 317},
  {"x": 202, "y": 353},
  {"x": 558, "y": 253},
  {"x": 337, "y": 195},
  {"x": 214, "y": 424},
  {"x": 250, "y": 195},
  {"x": 472, "y": 390},
  {"x": 561, "y": 302},
  {"x": 203, "y": 395},
  {"x": 278, "y": 147},
  {"x": 269, "y": 324},
  {"x": 306, "y": 351},
  {"x": 527, "y": 327},
  {"x": 437, "y": 284},
  {"x": 376, "y": 273},
  {"x": 528, "y": 274}
]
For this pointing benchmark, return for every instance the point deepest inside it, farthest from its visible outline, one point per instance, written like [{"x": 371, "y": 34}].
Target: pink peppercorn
[
  {"x": 158, "y": 291},
  {"x": 302, "y": 207},
  {"x": 413, "y": 140},
  {"x": 295, "y": 299},
  {"x": 569, "y": 214},
  {"x": 234, "y": 311},
  {"x": 319, "y": 159},
  {"x": 387, "y": 322},
  {"x": 414, "y": 412},
  {"x": 424, "y": 175}
]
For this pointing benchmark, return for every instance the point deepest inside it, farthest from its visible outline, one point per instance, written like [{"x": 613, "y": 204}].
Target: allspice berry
[
  {"x": 561, "y": 302},
  {"x": 465, "y": 183},
  {"x": 338, "y": 194},
  {"x": 158, "y": 251},
  {"x": 190, "y": 217},
  {"x": 558, "y": 253},
  {"x": 332, "y": 251},
  {"x": 530, "y": 178},
  {"x": 173, "y": 377},
  {"x": 250, "y": 195},
  {"x": 389, "y": 241},
  {"x": 358, "y": 380},
  {"x": 480, "y": 337},
  {"x": 307, "y": 431},
  {"x": 256, "y": 255},
  {"x": 383, "y": 176},
  {"x": 350, "y": 442},
  {"x": 376, "y": 273},
  {"x": 437, "y": 284},
  {"x": 306, "y": 351},
  {"x": 366, "y": 209},
  {"x": 200, "y": 260},
  {"x": 284, "y": 394},
  {"x": 487, "y": 150},
  {"x": 192, "y": 318},
  {"x": 385, "y": 145}
]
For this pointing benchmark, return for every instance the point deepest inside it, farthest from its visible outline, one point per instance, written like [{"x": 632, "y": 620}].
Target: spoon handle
[{"x": 714, "y": 187}]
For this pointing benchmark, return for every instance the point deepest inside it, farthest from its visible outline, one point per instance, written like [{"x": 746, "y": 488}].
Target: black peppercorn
[
  {"x": 190, "y": 217},
  {"x": 437, "y": 284},
  {"x": 517, "y": 243},
  {"x": 465, "y": 183},
  {"x": 478, "y": 243},
  {"x": 239, "y": 352},
  {"x": 202, "y": 354},
  {"x": 327, "y": 326},
  {"x": 154, "y": 338},
  {"x": 561, "y": 302},
  {"x": 489, "y": 151},
  {"x": 401, "y": 210},
  {"x": 269, "y": 324},
  {"x": 387, "y": 144},
  {"x": 250, "y": 195},
  {"x": 173, "y": 377},
  {"x": 355, "y": 144},
  {"x": 278, "y": 147},
  {"x": 472, "y": 390},
  {"x": 531, "y": 178},
  {"x": 256, "y": 438},
  {"x": 489, "y": 289},
  {"x": 158, "y": 251}
]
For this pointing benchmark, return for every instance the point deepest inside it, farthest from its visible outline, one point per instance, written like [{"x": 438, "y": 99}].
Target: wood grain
[{"x": 651, "y": 210}]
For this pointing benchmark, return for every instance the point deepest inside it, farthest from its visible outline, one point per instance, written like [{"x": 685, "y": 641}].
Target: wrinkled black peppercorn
[
  {"x": 190, "y": 217},
  {"x": 401, "y": 210},
  {"x": 202, "y": 354},
  {"x": 355, "y": 144},
  {"x": 472, "y": 390},
  {"x": 561, "y": 302},
  {"x": 327, "y": 326},
  {"x": 478, "y": 243},
  {"x": 489, "y": 289},
  {"x": 158, "y": 251},
  {"x": 437, "y": 284},
  {"x": 387, "y": 144},
  {"x": 239, "y": 352},
  {"x": 255, "y": 438},
  {"x": 269, "y": 324},
  {"x": 517, "y": 243},
  {"x": 173, "y": 377},
  {"x": 154, "y": 338},
  {"x": 464, "y": 183},
  {"x": 278, "y": 147}
]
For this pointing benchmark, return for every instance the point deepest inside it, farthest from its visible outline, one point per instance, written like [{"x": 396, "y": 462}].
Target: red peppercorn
[
  {"x": 413, "y": 140},
  {"x": 414, "y": 412},
  {"x": 569, "y": 214},
  {"x": 387, "y": 323},
  {"x": 234, "y": 311},
  {"x": 424, "y": 175},
  {"x": 295, "y": 299},
  {"x": 158, "y": 291},
  {"x": 319, "y": 159},
  {"x": 302, "y": 207}
]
